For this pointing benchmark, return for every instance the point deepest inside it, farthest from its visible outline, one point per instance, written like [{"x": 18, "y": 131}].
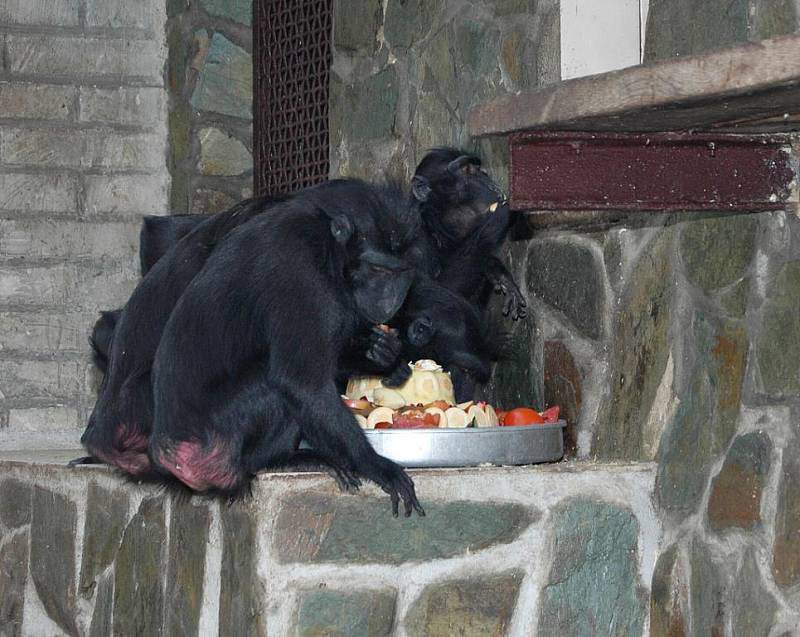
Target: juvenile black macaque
[{"x": 247, "y": 362}]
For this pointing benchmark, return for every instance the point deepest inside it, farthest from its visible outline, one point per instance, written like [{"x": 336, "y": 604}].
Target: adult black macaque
[
  {"x": 247, "y": 361},
  {"x": 467, "y": 218}
]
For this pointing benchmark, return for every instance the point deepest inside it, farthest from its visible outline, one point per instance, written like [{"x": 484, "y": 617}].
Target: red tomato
[
  {"x": 522, "y": 416},
  {"x": 551, "y": 414},
  {"x": 383, "y": 425},
  {"x": 414, "y": 420},
  {"x": 501, "y": 416}
]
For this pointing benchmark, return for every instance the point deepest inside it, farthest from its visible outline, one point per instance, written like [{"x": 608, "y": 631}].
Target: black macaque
[
  {"x": 467, "y": 218},
  {"x": 159, "y": 234},
  {"x": 247, "y": 362},
  {"x": 100, "y": 340}
]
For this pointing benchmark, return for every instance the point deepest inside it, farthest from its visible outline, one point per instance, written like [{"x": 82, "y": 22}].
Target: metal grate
[{"x": 292, "y": 60}]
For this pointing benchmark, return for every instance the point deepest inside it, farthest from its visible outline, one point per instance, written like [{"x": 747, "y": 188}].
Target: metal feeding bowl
[{"x": 521, "y": 444}]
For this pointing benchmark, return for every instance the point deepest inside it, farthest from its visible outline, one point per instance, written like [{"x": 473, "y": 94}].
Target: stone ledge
[{"x": 502, "y": 550}]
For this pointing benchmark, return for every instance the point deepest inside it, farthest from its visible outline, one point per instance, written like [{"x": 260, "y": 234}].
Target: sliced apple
[
  {"x": 491, "y": 416},
  {"x": 438, "y": 412},
  {"x": 457, "y": 418},
  {"x": 478, "y": 415},
  {"x": 379, "y": 414},
  {"x": 362, "y": 421},
  {"x": 385, "y": 397}
]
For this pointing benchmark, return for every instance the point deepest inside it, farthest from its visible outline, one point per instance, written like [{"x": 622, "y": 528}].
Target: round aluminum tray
[{"x": 521, "y": 444}]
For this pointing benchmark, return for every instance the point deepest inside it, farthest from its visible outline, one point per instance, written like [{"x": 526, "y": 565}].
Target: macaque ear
[
  {"x": 465, "y": 164},
  {"x": 420, "y": 188},
  {"x": 421, "y": 331},
  {"x": 341, "y": 229}
]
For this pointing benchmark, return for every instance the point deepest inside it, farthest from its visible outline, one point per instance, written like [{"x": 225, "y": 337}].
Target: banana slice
[
  {"x": 362, "y": 421},
  {"x": 491, "y": 416},
  {"x": 479, "y": 415},
  {"x": 457, "y": 418},
  {"x": 379, "y": 414},
  {"x": 438, "y": 412},
  {"x": 465, "y": 406},
  {"x": 385, "y": 397}
]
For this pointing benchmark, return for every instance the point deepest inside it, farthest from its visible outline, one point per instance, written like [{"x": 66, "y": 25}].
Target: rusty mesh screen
[{"x": 292, "y": 60}]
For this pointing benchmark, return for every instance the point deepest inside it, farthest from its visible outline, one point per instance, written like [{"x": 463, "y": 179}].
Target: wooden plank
[
  {"x": 748, "y": 81},
  {"x": 653, "y": 171}
]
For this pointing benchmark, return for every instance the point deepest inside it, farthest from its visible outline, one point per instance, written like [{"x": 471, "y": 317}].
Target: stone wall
[
  {"x": 82, "y": 157},
  {"x": 211, "y": 90},
  {"x": 674, "y": 339},
  {"x": 557, "y": 550}
]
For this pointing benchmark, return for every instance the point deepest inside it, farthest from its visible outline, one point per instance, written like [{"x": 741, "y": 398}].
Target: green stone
[
  {"x": 472, "y": 607},
  {"x": 717, "y": 252},
  {"x": 106, "y": 514},
  {"x": 440, "y": 76},
  {"x": 683, "y": 27},
  {"x": 735, "y": 499},
  {"x": 786, "y": 549},
  {"x": 356, "y": 24},
  {"x": 563, "y": 386},
  {"x": 13, "y": 575},
  {"x": 639, "y": 354},
  {"x": 52, "y": 561},
  {"x": 779, "y": 341},
  {"x": 409, "y": 21},
  {"x": 320, "y": 528},
  {"x": 708, "y": 588},
  {"x": 188, "y": 537},
  {"x": 103, "y": 607},
  {"x": 669, "y": 598},
  {"x": 511, "y": 7},
  {"x": 174, "y": 7},
  {"x": 592, "y": 589},
  {"x": 138, "y": 593},
  {"x": 180, "y": 125},
  {"x": 567, "y": 278},
  {"x": 734, "y": 298},
  {"x": 208, "y": 201},
  {"x": 770, "y": 18},
  {"x": 240, "y": 610},
  {"x": 330, "y": 613},
  {"x": 240, "y": 11},
  {"x": 513, "y": 48},
  {"x": 726, "y": 353},
  {"x": 15, "y": 503},
  {"x": 222, "y": 154},
  {"x": 367, "y": 112},
  {"x": 470, "y": 45},
  {"x": 225, "y": 82},
  {"x": 753, "y": 606}
]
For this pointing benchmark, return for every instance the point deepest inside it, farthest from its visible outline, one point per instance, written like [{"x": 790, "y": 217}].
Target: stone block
[
  {"x": 222, "y": 154},
  {"x": 786, "y": 550},
  {"x": 127, "y": 194},
  {"x": 640, "y": 350},
  {"x": 46, "y": 380},
  {"x": 95, "y": 57},
  {"x": 472, "y": 607},
  {"x": 669, "y": 599},
  {"x": 709, "y": 587},
  {"x": 139, "y": 15},
  {"x": 409, "y": 21},
  {"x": 43, "y": 419},
  {"x": 684, "y": 27},
  {"x": 38, "y": 239},
  {"x": 93, "y": 287},
  {"x": 718, "y": 252},
  {"x": 592, "y": 589},
  {"x": 207, "y": 201},
  {"x": 319, "y": 528},
  {"x": 359, "y": 613},
  {"x": 138, "y": 588},
  {"x": 52, "y": 561},
  {"x": 779, "y": 342},
  {"x": 366, "y": 111},
  {"x": 771, "y": 18},
  {"x": 734, "y": 298},
  {"x": 41, "y": 193},
  {"x": 188, "y": 538},
  {"x": 563, "y": 386},
  {"x": 35, "y": 285},
  {"x": 225, "y": 82},
  {"x": 36, "y": 101},
  {"x": 753, "y": 606},
  {"x": 13, "y": 577},
  {"x": 83, "y": 149},
  {"x": 240, "y": 11},
  {"x": 15, "y": 503},
  {"x": 103, "y": 607},
  {"x": 61, "y": 13},
  {"x": 145, "y": 106},
  {"x": 106, "y": 515},
  {"x": 735, "y": 499},
  {"x": 356, "y": 24}
]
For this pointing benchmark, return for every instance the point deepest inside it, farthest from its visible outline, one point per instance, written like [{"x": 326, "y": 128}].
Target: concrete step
[{"x": 506, "y": 551}]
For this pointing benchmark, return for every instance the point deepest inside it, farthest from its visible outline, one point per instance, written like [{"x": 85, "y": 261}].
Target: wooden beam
[{"x": 749, "y": 81}]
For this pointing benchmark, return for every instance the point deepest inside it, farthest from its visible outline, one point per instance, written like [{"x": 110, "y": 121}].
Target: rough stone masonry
[{"x": 82, "y": 157}]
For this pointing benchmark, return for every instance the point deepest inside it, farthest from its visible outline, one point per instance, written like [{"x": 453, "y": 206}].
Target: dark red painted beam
[{"x": 658, "y": 171}]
